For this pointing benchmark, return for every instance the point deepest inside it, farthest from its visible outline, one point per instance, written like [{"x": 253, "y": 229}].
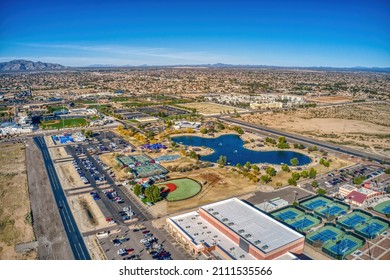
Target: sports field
[
  {"x": 383, "y": 207},
  {"x": 372, "y": 228},
  {"x": 315, "y": 203},
  {"x": 296, "y": 218},
  {"x": 353, "y": 219},
  {"x": 185, "y": 188},
  {"x": 325, "y": 207},
  {"x": 56, "y": 124},
  {"x": 334, "y": 242}
]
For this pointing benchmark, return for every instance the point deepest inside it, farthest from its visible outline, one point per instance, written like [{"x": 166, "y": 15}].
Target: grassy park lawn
[
  {"x": 56, "y": 124},
  {"x": 185, "y": 188}
]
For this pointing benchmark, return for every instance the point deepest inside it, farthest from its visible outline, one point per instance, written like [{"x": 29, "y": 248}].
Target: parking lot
[
  {"x": 333, "y": 180},
  {"x": 167, "y": 110},
  {"x": 127, "y": 220}
]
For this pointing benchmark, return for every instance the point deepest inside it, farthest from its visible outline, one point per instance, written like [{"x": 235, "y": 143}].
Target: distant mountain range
[{"x": 26, "y": 65}]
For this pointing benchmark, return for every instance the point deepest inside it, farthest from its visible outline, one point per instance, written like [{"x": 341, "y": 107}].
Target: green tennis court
[
  {"x": 185, "y": 188},
  {"x": 383, "y": 207},
  {"x": 353, "y": 219},
  {"x": 372, "y": 228},
  {"x": 343, "y": 247},
  {"x": 296, "y": 218},
  {"x": 315, "y": 203}
]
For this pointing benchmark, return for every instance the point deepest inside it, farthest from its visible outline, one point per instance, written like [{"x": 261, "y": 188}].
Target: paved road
[
  {"x": 53, "y": 243},
  {"x": 76, "y": 241},
  {"x": 329, "y": 146}
]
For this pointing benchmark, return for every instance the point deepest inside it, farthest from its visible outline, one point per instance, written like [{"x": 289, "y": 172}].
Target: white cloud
[{"x": 120, "y": 54}]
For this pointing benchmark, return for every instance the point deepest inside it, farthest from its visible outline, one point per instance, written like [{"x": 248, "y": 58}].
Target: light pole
[{"x": 295, "y": 196}]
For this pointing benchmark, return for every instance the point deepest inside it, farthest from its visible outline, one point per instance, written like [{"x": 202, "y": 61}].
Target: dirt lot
[
  {"x": 86, "y": 212},
  {"x": 360, "y": 126},
  {"x": 330, "y": 99},
  {"x": 15, "y": 219},
  {"x": 68, "y": 176},
  {"x": 57, "y": 153},
  {"x": 209, "y": 108}
]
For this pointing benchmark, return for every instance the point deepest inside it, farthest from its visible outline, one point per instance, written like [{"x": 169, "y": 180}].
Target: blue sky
[{"x": 278, "y": 32}]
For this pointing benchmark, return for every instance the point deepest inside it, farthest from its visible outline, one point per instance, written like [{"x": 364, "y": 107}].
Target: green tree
[
  {"x": 285, "y": 168},
  {"x": 239, "y": 165},
  {"x": 222, "y": 161},
  {"x": 203, "y": 130},
  {"x": 314, "y": 184},
  {"x": 270, "y": 171},
  {"x": 312, "y": 173},
  {"x": 304, "y": 174},
  {"x": 137, "y": 189},
  {"x": 387, "y": 171},
  {"x": 265, "y": 178},
  {"x": 358, "y": 180},
  {"x": 292, "y": 182},
  {"x": 153, "y": 193},
  {"x": 88, "y": 133},
  {"x": 248, "y": 165},
  {"x": 194, "y": 155},
  {"x": 315, "y": 148},
  {"x": 255, "y": 168},
  {"x": 295, "y": 176},
  {"x": 294, "y": 161},
  {"x": 321, "y": 191}
]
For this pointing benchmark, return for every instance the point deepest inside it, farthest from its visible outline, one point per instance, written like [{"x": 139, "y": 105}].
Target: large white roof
[{"x": 254, "y": 226}]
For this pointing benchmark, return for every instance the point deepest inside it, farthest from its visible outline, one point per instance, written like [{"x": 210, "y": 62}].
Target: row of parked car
[
  {"x": 113, "y": 195},
  {"x": 154, "y": 248},
  {"x": 93, "y": 170},
  {"x": 80, "y": 172}
]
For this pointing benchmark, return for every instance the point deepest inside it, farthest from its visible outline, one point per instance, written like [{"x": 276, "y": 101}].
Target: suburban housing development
[{"x": 195, "y": 163}]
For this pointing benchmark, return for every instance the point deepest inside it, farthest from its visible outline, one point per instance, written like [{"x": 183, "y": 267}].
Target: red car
[
  {"x": 145, "y": 231},
  {"x": 129, "y": 250}
]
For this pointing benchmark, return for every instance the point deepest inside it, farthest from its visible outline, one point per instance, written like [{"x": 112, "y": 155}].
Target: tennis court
[
  {"x": 315, "y": 203},
  {"x": 325, "y": 235},
  {"x": 305, "y": 223},
  {"x": 296, "y": 218},
  {"x": 343, "y": 247},
  {"x": 332, "y": 209},
  {"x": 383, "y": 207},
  {"x": 287, "y": 215},
  {"x": 335, "y": 242},
  {"x": 372, "y": 228},
  {"x": 353, "y": 219}
]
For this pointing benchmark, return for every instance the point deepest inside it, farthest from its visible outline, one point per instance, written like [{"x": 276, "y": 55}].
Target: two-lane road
[{"x": 76, "y": 241}]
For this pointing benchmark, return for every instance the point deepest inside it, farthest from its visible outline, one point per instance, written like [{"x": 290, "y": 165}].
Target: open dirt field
[
  {"x": 86, "y": 212},
  {"x": 330, "y": 99},
  {"x": 360, "y": 126},
  {"x": 15, "y": 218},
  {"x": 57, "y": 153},
  {"x": 209, "y": 108},
  {"x": 68, "y": 176}
]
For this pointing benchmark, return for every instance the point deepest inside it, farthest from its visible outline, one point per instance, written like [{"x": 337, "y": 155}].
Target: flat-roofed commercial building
[{"x": 232, "y": 229}]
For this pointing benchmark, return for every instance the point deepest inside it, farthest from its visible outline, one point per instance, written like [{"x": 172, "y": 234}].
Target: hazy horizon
[{"x": 281, "y": 33}]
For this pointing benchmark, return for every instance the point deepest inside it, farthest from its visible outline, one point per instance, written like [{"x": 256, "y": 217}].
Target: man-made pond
[{"x": 231, "y": 146}]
